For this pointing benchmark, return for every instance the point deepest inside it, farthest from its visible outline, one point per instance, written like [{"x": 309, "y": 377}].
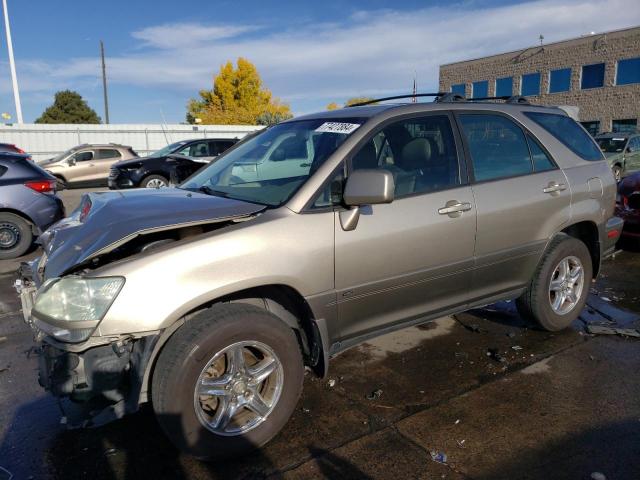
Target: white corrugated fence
[{"x": 44, "y": 141}]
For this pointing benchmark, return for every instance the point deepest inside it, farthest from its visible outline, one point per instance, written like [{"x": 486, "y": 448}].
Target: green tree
[
  {"x": 68, "y": 107},
  {"x": 238, "y": 97}
]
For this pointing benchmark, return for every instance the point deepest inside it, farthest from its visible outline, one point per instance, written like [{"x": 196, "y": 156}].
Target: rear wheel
[
  {"x": 617, "y": 172},
  {"x": 227, "y": 381},
  {"x": 15, "y": 236},
  {"x": 154, "y": 181},
  {"x": 559, "y": 288}
]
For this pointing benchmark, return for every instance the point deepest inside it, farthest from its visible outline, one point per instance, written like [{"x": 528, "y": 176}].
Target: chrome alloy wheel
[
  {"x": 156, "y": 183},
  {"x": 238, "y": 388},
  {"x": 567, "y": 282},
  {"x": 9, "y": 236}
]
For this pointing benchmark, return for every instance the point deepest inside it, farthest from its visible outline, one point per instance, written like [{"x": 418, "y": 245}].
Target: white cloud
[{"x": 372, "y": 53}]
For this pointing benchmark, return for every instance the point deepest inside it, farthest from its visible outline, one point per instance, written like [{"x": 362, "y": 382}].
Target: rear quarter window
[
  {"x": 567, "y": 131},
  {"x": 3, "y": 170}
]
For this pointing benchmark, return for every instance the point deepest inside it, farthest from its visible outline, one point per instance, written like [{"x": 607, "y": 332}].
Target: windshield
[
  {"x": 166, "y": 150},
  {"x": 270, "y": 167},
  {"x": 612, "y": 144}
]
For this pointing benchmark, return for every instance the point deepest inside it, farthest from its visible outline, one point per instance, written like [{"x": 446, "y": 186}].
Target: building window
[
  {"x": 504, "y": 87},
  {"x": 458, "y": 89},
  {"x": 627, "y": 125},
  {"x": 628, "y": 71},
  {"x": 560, "y": 80},
  {"x": 592, "y": 76},
  {"x": 592, "y": 127},
  {"x": 480, "y": 89},
  {"x": 530, "y": 84}
]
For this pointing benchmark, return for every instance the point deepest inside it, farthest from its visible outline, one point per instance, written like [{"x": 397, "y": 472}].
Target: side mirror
[
  {"x": 628, "y": 150},
  {"x": 369, "y": 187},
  {"x": 278, "y": 155},
  {"x": 365, "y": 187},
  {"x": 71, "y": 162}
]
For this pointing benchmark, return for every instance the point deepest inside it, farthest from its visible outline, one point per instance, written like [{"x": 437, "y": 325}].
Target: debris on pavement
[
  {"x": 598, "y": 476},
  {"x": 110, "y": 452},
  {"x": 461, "y": 443},
  {"x": 438, "y": 457},
  {"x": 305, "y": 410},
  {"x": 606, "y": 299},
  {"x": 331, "y": 383},
  {"x": 606, "y": 330},
  {"x": 516, "y": 347},
  {"x": 456, "y": 422},
  {"x": 511, "y": 334},
  {"x": 375, "y": 394},
  {"x": 494, "y": 354}
]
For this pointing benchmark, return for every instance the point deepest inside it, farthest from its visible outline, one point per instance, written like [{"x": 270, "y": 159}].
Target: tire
[
  {"x": 15, "y": 236},
  {"x": 184, "y": 360},
  {"x": 535, "y": 304},
  {"x": 154, "y": 181},
  {"x": 617, "y": 173}
]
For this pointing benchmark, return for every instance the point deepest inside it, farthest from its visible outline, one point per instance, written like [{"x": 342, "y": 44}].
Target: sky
[{"x": 160, "y": 53}]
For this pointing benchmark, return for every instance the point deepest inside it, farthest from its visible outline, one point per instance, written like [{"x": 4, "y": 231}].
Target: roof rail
[
  {"x": 451, "y": 97},
  {"x": 511, "y": 99},
  {"x": 413, "y": 95}
]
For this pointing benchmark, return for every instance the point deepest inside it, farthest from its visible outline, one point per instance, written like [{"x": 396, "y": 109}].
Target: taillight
[
  {"x": 42, "y": 186},
  {"x": 18, "y": 149},
  {"x": 85, "y": 209}
]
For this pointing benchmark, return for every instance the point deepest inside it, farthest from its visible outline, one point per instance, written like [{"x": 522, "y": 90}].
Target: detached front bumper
[{"x": 104, "y": 374}]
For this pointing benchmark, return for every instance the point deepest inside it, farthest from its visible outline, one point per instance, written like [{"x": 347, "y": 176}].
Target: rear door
[
  {"x": 521, "y": 195},
  {"x": 104, "y": 158},
  {"x": 414, "y": 256}
]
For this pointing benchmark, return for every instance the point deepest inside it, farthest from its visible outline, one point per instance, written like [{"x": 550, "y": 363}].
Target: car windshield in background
[
  {"x": 166, "y": 150},
  {"x": 612, "y": 145},
  {"x": 270, "y": 167}
]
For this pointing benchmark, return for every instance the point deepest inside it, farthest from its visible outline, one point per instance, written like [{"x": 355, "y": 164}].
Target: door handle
[
  {"x": 454, "y": 208},
  {"x": 554, "y": 187},
  {"x": 304, "y": 165}
]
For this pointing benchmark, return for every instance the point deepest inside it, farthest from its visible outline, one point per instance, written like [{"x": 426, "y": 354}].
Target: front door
[
  {"x": 81, "y": 166},
  {"x": 522, "y": 197},
  {"x": 414, "y": 256}
]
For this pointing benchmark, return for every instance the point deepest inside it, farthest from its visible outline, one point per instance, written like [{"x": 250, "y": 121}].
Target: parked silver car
[{"x": 210, "y": 300}]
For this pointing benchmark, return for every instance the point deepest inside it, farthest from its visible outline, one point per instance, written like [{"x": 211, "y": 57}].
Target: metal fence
[{"x": 45, "y": 141}]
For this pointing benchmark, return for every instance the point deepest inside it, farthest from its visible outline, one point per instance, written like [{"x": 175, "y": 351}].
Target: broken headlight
[{"x": 70, "y": 308}]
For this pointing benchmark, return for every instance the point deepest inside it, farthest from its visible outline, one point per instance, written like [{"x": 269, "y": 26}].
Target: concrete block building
[{"x": 599, "y": 73}]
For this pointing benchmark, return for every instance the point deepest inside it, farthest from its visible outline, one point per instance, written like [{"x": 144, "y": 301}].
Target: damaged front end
[{"x": 101, "y": 377}]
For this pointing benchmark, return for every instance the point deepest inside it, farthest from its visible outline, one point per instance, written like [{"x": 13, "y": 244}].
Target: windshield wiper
[{"x": 211, "y": 191}]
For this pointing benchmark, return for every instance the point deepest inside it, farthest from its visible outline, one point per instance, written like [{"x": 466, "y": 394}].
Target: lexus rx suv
[{"x": 210, "y": 299}]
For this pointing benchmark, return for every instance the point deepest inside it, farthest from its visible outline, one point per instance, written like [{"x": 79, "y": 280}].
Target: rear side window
[
  {"x": 569, "y": 133},
  {"x": 105, "y": 153},
  {"x": 497, "y": 146}
]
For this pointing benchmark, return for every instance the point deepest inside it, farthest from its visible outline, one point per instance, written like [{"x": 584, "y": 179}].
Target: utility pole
[
  {"x": 12, "y": 64},
  {"x": 104, "y": 84}
]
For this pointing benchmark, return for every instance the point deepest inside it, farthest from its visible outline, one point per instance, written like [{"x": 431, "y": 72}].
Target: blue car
[{"x": 28, "y": 203}]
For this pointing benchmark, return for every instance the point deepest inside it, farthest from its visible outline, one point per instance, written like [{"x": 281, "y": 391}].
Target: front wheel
[
  {"x": 560, "y": 286},
  {"x": 227, "y": 381},
  {"x": 154, "y": 181}
]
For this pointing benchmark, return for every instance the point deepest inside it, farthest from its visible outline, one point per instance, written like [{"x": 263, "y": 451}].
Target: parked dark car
[
  {"x": 28, "y": 203},
  {"x": 171, "y": 164},
  {"x": 628, "y": 206}
]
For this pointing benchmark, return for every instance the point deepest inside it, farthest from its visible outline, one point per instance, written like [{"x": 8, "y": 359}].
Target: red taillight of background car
[
  {"x": 42, "y": 186},
  {"x": 18, "y": 149},
  {"x": 85, "y": 209}
]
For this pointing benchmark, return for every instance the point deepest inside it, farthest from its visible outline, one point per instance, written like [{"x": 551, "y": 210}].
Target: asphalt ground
[{"x": 499, "y": 398}]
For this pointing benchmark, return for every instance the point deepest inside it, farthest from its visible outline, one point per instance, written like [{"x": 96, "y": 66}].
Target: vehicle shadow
[{"x": 612, "y": 449}]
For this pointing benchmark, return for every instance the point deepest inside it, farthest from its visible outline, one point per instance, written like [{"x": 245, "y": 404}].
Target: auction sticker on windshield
[{"x": 337, "y": 127}]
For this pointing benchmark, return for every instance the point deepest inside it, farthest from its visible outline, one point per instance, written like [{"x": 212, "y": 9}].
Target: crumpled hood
[{"x": 117, "y": 216}]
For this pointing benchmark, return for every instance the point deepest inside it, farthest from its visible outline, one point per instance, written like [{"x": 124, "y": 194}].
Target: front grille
[{"x": 113, "y": 173}]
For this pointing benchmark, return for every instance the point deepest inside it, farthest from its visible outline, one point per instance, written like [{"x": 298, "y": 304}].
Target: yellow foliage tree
[
  {"x": 238, "y": 98},
  {"x": 333, "y": 106},
  {"x": 355, "y": 100}
]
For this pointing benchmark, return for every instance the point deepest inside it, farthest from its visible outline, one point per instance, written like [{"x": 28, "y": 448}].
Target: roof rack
[
  {"x": 448, "y": 97},
  {"x": 413, "y": 95}
]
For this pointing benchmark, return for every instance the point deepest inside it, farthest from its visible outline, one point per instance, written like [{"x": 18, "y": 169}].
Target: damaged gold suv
[{"x": 209, "y": 300}]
